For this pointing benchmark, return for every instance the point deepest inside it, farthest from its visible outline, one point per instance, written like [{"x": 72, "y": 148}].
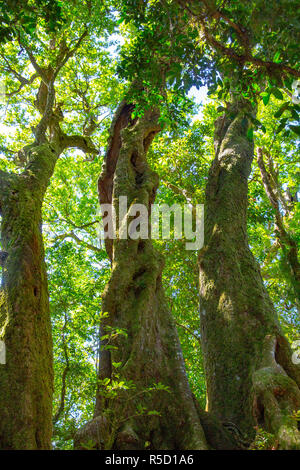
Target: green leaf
[{"x": 117, "y": 364}]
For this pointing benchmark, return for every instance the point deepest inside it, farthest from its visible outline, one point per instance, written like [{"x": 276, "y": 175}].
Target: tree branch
[
  {"x": 41, "y": 128},
  {"x": 190, "y": 332},
  {"x": 39, "y": 70},
  {"x": 49, "y": 82},
  {"x": 64, "y": 376},
  {"x": 70, "y": 53},
  {"x": 80, "y": 227},
  {"x": 180, "y": 191}
]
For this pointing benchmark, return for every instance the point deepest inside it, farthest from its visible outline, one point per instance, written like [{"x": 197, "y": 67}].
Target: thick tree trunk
[
  {"x": 250, "y": 375},
  {"x": 26, "y": 378},
  {"x": 150, "y": 352}
]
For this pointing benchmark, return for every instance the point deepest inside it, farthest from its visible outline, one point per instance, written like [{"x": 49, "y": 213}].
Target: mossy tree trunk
[
  {"x": 26, "y": 378},
  {"x": 150, "y": 352},
  {"x": 250, "y": 375}
]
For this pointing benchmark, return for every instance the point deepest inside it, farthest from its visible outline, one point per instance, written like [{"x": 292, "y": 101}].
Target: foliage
[{"x": 238, "y": 47}]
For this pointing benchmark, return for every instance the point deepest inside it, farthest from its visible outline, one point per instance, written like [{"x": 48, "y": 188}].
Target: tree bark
[
  {"x": 150, "y": 352},
  {"x": 26, "y": 380},
  {"x": 250, "y": 375}
]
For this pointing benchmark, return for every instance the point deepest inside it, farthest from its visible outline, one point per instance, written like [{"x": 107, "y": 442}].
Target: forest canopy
[{"x": 112, "y": 337}]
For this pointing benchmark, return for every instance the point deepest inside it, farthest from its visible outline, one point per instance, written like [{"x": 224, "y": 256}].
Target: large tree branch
[
  {"x": 120, "y": 121},
  {"x": 4, "y": 186},
  {"x": 218, "y": 14},
  {"x": 23, "y": 80},
  {"x": 274, "y": 183},
  {"x": 48, "y": 77},
  {"x": 246, "y": 57},
  {"x": 41, "y": 128},
  {"x": 42, "y": 158}
]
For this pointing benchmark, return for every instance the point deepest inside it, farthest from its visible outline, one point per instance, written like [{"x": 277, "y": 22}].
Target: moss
[{"x": 135, "y": 301}]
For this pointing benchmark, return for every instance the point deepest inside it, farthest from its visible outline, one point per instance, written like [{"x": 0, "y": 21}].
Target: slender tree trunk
[
  {"x": 26, "y": 380},
  {"x": 250, "y": 375}
]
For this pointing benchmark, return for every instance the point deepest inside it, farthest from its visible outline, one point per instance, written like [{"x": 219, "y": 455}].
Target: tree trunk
[
  {"x": 26, "y": 380},
  {"x": 288, "y": 244},
  {"x": 150, "y": 352},
  {"x": 250, "y": 375}
]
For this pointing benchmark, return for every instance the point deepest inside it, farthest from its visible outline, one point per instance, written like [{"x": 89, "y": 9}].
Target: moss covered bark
[
  {"x": 26, "y": 378},
  {"x": 245, "y": 384},
  {"x": 150, "y": 353}
]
